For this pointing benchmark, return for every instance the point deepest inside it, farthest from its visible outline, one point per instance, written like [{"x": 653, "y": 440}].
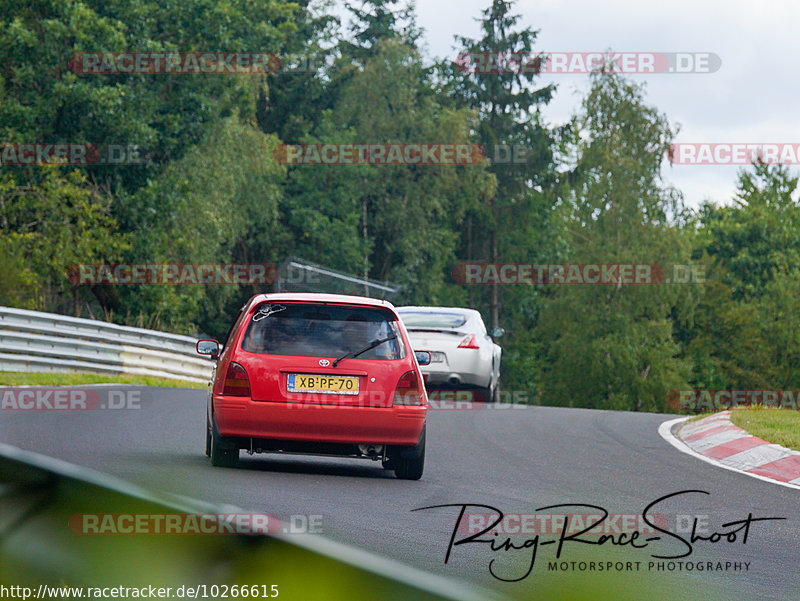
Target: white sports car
[{"x": 463, "y": 354}]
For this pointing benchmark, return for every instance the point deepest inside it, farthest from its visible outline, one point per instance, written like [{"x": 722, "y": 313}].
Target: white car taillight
[{"x": 469, "y": 342}]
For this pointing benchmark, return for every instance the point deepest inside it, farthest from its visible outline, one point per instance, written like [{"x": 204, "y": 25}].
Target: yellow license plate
[{"x": 322, "y": 384}]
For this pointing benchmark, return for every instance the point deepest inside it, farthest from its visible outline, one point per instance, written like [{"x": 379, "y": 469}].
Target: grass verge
[
  {"x": 699, "y": 416},
  {"x": 779, "y": 426},
  {"x": 19, "y": 378}
]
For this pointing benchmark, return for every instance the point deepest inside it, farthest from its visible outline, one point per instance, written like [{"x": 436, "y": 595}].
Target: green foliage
[
  {"x": 167, "y": 116},
  {"x": 204, "y": 208},
  {"x": 378, "y": 20},
  {"x": 43, "y": 101},
  {"x": 213, "y": 191},
  {"x": 55, "y": 224},
  {"x": 19, "y": 284},
  {"x": 745, "y": 333},
  {"x": 612, "y": 345},
  {"x": 758, "y": 237},
  {"x": 397, "y": 223},
  {"x": 515, "y": 220}
]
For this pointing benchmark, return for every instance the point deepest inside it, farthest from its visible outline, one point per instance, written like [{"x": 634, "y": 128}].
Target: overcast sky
[{"x": 752, "y": 97}]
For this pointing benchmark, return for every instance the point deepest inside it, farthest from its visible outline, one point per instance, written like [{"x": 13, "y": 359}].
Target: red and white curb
[{"x": 716, "y": 440}]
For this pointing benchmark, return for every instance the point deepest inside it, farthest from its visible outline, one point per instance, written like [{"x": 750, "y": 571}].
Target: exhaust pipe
[
  {"x": 454, "y": 381},
  {"x": 373, "y": 451}
]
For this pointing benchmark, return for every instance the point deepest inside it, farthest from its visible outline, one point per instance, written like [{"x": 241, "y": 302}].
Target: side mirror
[
  {"x": 423, "y": 357},
  {"x": 497, "y": 332},
  {"x": 208, "y": 347}
]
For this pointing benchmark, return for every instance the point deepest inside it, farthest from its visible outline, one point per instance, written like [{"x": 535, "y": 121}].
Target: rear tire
[
  {"x": 208, "y": 438},
  {"x": 496, "y": 393},
  {"x": 223, "y": 452},
  {"x": 410, "y": 461}
]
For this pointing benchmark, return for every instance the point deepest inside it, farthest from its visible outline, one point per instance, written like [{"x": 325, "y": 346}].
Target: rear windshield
[
  {"x": 309, "y": 330},
  {"x": 421, "y": 319}
]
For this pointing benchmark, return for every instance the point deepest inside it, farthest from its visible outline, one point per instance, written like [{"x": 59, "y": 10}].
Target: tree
[
  {"x": 375, "y": 21},
  {"x": 217, "y": 204},
  {"x": 297, "y": 95},
  {"x": 56, "y": 224},
  {"x": 612, "y": 346},
  {"x": 390, "y": 222},
  {"x": 758, "y": 236},
  {"x": 508, "y": 109},
  {"x": 745, "y": 330},
  {"x": 168, "y": 116}
]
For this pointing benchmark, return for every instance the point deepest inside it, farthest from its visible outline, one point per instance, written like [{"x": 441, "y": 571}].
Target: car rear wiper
[{"x": 369, "y": 347}]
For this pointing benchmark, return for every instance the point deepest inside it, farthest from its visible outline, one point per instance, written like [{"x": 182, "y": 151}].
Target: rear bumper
[
  {"x": 435, "y": 377},
  {"x": 470, "y": 369},
  {"x": 241, "y": 417}
]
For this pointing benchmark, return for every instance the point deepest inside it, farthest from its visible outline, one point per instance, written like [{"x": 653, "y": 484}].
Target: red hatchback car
[{"x": 318, "y": 374}]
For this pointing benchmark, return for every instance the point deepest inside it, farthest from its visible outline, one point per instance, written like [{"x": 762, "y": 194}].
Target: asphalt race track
[{"x": 516, "y": 460}]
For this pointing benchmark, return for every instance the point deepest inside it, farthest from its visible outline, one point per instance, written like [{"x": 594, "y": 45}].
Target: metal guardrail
[
  {"x": 36, "y": 341},
  {"x": 298, "y": 275}
]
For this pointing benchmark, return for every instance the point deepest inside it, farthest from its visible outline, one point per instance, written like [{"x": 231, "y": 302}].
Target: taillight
[
  {"x": 236, "y": 381},
  {"x": 469, "y": 342},
  {"x": 407, "y": 391}
]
